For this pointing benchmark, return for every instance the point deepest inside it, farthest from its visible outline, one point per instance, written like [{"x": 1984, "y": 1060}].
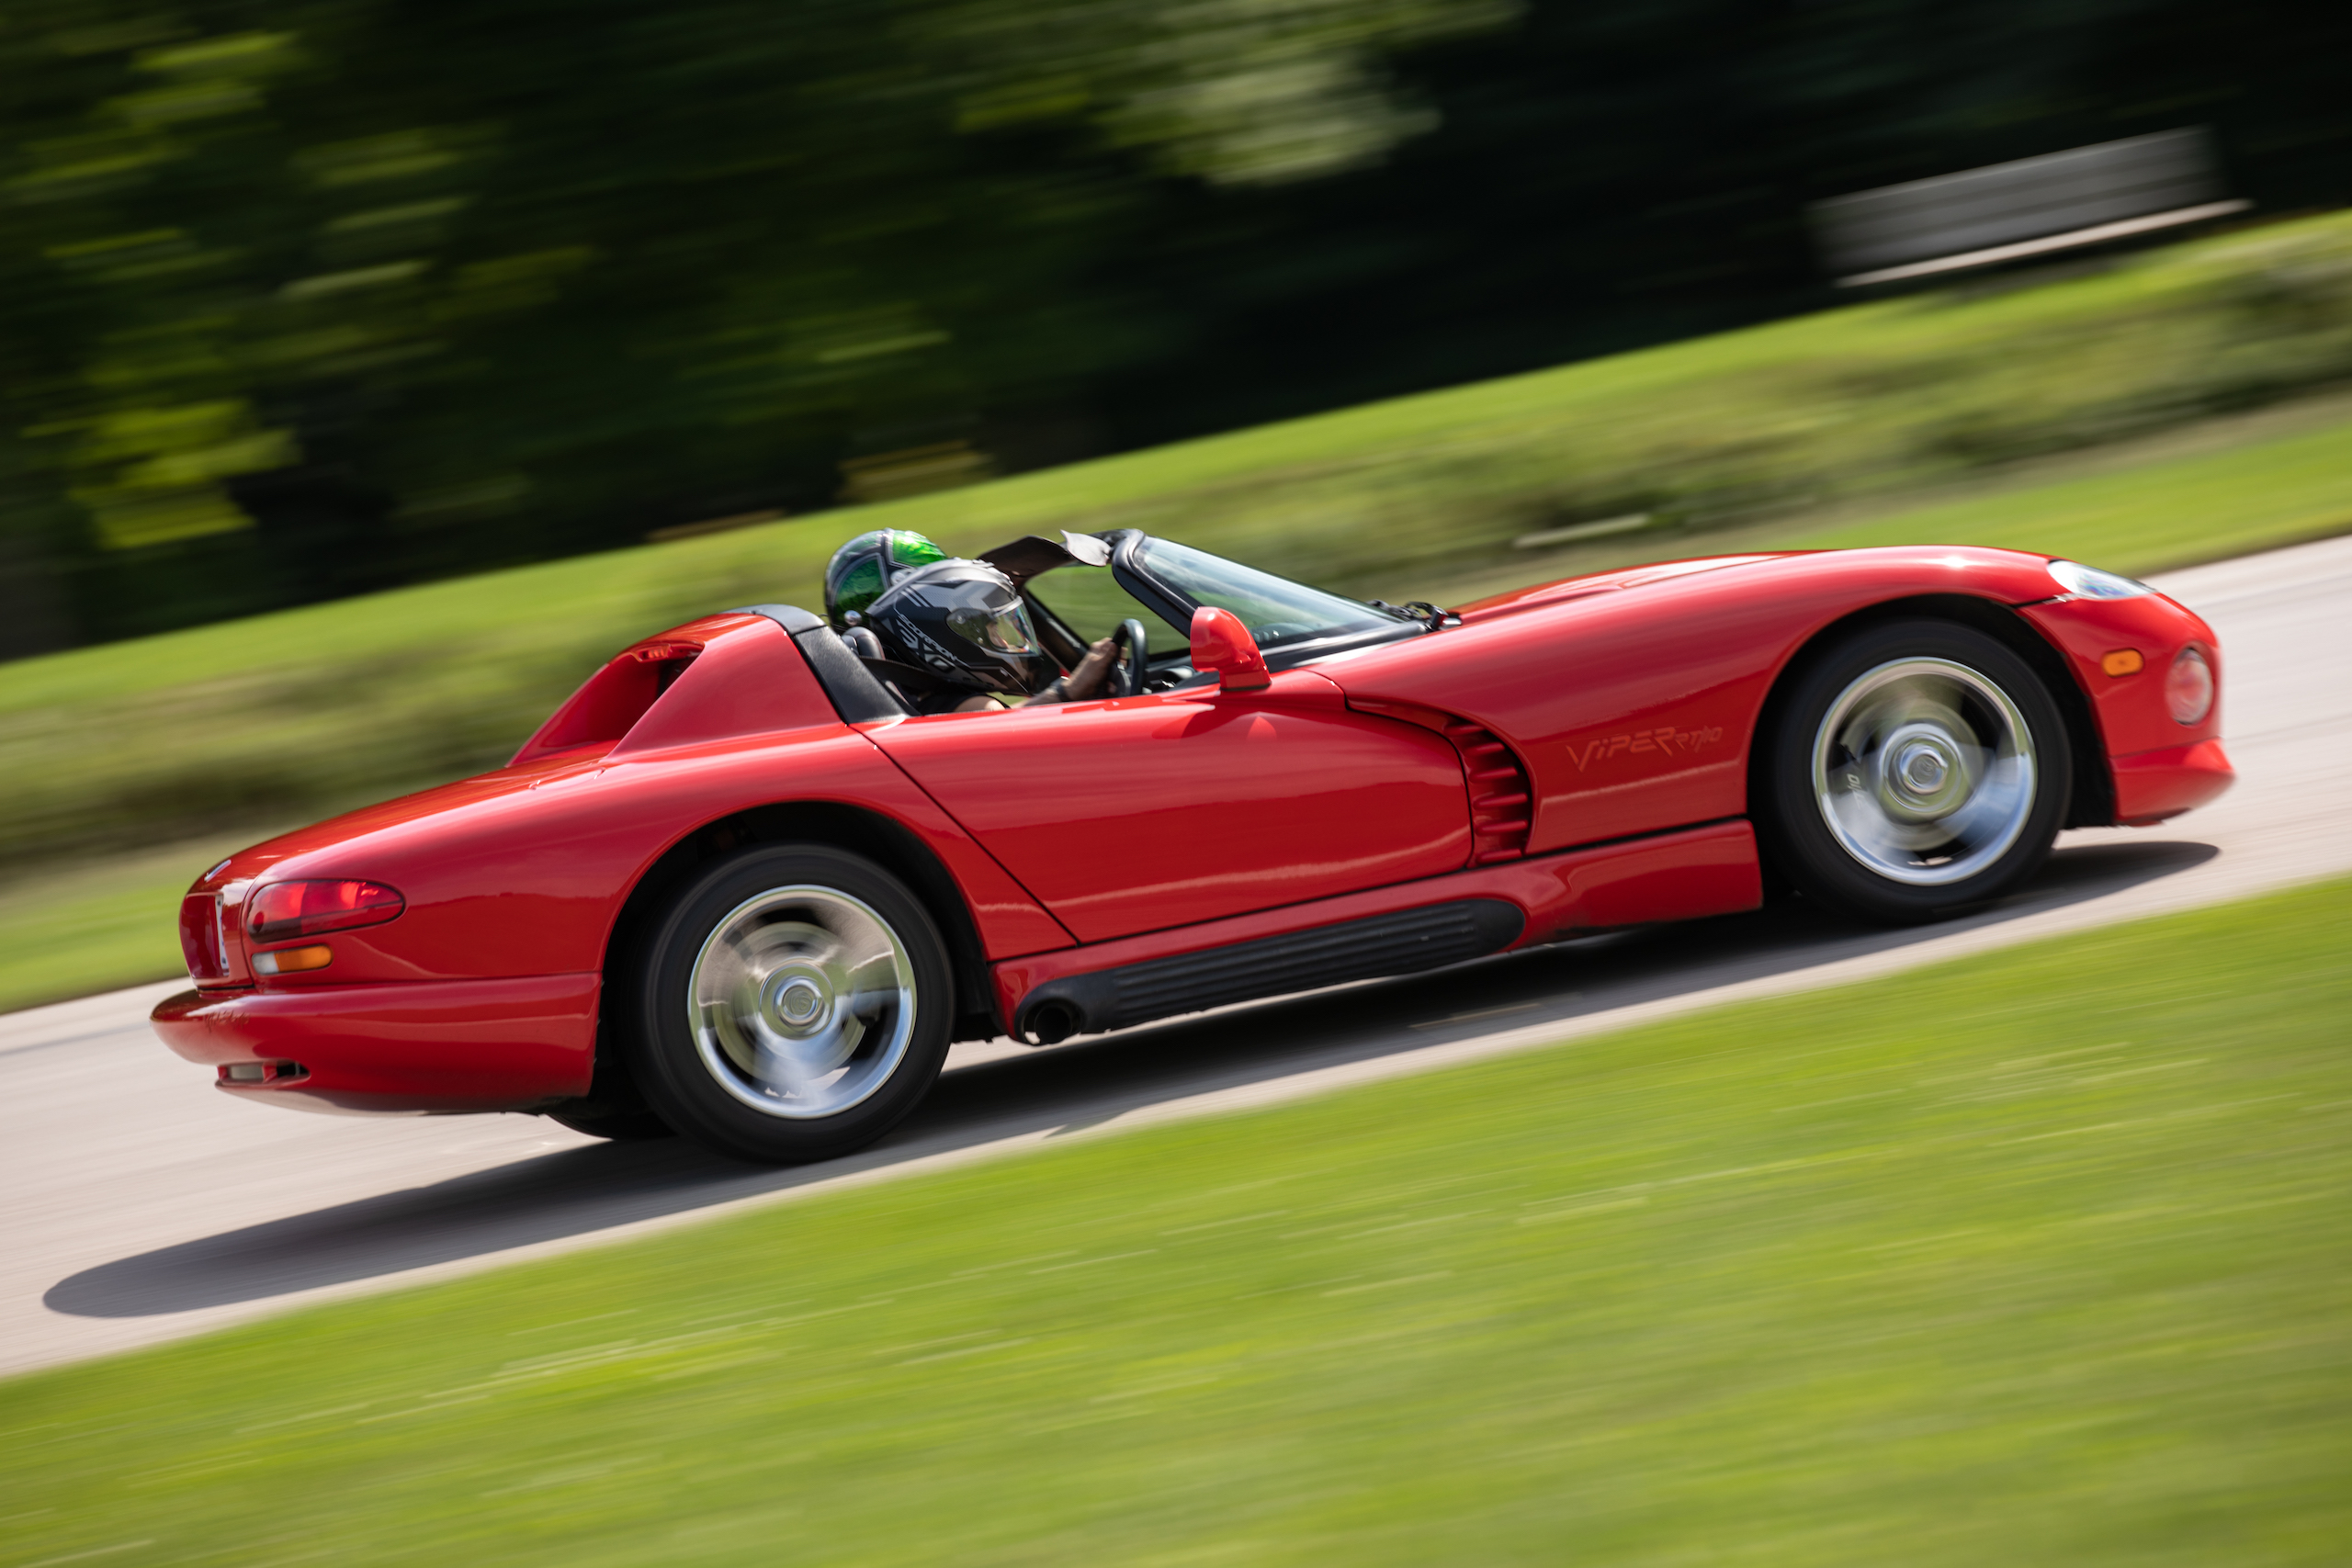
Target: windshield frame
[{"x": 1132, "y": 571}]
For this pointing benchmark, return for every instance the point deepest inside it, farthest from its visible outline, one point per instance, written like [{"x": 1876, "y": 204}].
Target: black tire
[
  {"x": 734, "y": 1069},
  {"x": 612, "y": 1108},
  {"x": 1917, "y": 769},
  {"x": 622, "y": 1127}
]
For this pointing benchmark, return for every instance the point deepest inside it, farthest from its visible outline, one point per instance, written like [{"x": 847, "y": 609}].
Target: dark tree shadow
[{"x": 1083, "y": 1084}]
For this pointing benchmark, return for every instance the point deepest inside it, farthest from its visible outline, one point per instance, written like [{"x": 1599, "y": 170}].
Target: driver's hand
[{"x": 1094, "y": 672}]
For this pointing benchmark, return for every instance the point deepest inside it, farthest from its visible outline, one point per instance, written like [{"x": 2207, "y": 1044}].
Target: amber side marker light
[
  {"x": 293, "y": 960},
  {"x": 2123, "y": 661}
]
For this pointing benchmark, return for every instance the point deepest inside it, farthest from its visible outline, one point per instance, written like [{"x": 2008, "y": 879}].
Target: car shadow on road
[{"x": 580, "y": 1191}]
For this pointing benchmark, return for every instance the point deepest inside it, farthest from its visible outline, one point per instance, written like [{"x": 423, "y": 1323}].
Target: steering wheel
[{"x": 1128, "y": 675}]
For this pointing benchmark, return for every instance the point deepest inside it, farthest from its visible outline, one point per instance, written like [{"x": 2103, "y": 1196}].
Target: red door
[{"x": 1141, "y": 813}]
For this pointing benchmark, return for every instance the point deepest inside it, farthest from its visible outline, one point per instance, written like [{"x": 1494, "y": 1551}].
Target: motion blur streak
[
  {"x": 2022, "y": 209},
  {"x": 332, "y": 295},
  {"x": 108, "y": 1254}
]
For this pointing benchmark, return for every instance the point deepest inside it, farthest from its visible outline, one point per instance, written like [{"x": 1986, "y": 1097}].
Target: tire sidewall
[
  {"x": 669, "y": 1071},
  {"x": 1800, "y": 841}
]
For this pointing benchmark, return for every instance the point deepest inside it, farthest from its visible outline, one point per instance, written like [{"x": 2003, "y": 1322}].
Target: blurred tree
[{"x": 301, "y": 298}]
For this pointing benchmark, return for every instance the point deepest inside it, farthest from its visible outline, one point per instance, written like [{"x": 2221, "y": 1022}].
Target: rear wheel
[
  {"x": 791, "y": 1003},
  {"x": 1919, "y": 769}
]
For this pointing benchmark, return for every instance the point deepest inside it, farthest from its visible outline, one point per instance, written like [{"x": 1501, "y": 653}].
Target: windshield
[{"x": 1275, "y": 610}]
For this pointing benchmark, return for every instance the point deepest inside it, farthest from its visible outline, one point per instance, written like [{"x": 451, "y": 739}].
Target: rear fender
[{"x": 886, "y": 842}]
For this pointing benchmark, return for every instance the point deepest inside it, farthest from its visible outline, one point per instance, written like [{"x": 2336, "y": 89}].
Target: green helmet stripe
[{"x": 910, "y": 549}]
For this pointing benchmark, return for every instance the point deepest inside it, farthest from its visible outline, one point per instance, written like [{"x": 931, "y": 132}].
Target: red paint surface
[
  {"x": 1142, "y": 813},
  {"x": 749, "y": 680},
  {"x": 1634, "y": 708},
  {"x": 2153, "y": 786},
  {"x": 528, "y": 877},
  {"x": 523, "y": 872},
  {"x": 727, "y": 674},
  {"x": 1541, "y": 593},
  {"x": 1703, "y": 871},
  {"x": 455, "y": 1045},
  {"x": 1221, "y": 642},
  {"x": 2130, "y": 709}
]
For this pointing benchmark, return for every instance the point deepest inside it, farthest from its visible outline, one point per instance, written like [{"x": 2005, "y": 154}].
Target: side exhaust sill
[{"x": 1400, "y": 944}]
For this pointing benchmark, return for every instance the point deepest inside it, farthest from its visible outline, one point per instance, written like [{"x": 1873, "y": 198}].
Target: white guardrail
[{"x": 2061, "y": 200}]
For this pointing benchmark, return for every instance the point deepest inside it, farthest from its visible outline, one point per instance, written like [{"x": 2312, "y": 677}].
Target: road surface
[{"x": 143, "y": 1206}]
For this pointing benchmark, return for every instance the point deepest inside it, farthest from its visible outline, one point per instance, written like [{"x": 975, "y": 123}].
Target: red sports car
[{"x": 734, "y": 889}]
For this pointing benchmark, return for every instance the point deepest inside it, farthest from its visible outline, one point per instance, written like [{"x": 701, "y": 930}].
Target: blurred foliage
[
  {"x": 389, "y": 291},
  {"x": 322, "y": 297},
  {"x": 2032, "y": 1257},
  {"x": 1724, "y": 443}
]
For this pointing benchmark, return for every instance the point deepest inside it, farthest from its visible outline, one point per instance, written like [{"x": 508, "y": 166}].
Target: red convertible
[{"x": 734, "y": 889}]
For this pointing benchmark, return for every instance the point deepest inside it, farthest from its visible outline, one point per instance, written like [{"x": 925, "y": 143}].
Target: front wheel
[
  {"x": 1919, "y": 769},
  {"x": 791, "y": 1003}
]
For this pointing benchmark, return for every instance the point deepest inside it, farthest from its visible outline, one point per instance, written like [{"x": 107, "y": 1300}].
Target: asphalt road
[{"x": 143, "y": 1206}]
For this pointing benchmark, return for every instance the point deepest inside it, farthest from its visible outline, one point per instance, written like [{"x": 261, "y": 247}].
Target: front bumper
[
  {"x": 439, "y": 1046},
  {"x": 2153, "y": 786}
]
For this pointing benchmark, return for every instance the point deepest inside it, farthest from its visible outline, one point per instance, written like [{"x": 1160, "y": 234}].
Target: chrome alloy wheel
[
  {"x": 802, "y": 1002},
  {"x": 1924, "y": 771}
]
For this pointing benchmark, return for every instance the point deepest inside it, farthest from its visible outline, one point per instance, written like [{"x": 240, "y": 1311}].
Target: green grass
[
  {"x": 2255, "y": 496},
  {"x": 78, "y": 930},
  {"x": 2225, "y": 488},
  {"x": 1953, "y": 417},
  {"x": 2036, "y": 1256},
  {"x": 2240, "y": 485}
]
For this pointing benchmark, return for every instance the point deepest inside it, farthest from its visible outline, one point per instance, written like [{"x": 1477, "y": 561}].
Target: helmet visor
[{"x": 996, "y": 627}]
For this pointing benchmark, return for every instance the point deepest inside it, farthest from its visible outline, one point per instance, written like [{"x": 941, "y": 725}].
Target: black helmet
[
  {"x": 863, "y": 571},
  {"x": 964, "y": 622}
]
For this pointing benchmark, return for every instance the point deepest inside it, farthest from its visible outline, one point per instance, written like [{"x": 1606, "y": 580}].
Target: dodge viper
[{"x": 733, "y": 888}]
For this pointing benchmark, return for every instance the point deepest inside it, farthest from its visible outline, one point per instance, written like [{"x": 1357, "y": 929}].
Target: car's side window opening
[
  {"x": 1090, "y": 602},
  {"x": 1083, "y": 590},
  {"x": 1081, "y": 604}
]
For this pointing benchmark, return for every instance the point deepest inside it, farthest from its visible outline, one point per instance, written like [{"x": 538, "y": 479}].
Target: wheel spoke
[
  {"x": 1924, "y": 771},
  {"x": 802, "y": 1002}
]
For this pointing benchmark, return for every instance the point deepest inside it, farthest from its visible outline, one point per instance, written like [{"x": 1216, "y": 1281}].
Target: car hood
[{"x": 1519, "y": 600}]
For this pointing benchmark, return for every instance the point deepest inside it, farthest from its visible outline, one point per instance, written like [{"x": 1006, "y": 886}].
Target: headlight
[
  {"x": 2090, "y": 582},
  {"x": 2189, "y": 686}
]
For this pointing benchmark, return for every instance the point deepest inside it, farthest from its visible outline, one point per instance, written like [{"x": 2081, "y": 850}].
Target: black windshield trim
[{"x": 1127, "y": 570}]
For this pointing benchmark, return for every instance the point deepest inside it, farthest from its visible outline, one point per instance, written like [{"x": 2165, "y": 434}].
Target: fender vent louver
[{"x": 1502, "y": 805}]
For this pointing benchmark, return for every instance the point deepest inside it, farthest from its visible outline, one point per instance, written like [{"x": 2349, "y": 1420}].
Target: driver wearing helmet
[{"x": 947, "y": 636}]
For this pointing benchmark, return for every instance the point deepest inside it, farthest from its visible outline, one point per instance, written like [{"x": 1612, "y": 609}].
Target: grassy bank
[
  {"x": 2032, "y": 1257},
  {"x": 2244, "y": 484},
  {"x": 1954, "y": 417}
]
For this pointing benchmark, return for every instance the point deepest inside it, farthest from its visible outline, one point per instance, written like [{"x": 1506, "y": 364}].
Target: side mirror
[{"x": 1220, "y": 642}]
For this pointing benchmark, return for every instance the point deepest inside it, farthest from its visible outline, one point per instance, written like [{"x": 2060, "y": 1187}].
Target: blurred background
[{"x": 327, "y": 299}]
